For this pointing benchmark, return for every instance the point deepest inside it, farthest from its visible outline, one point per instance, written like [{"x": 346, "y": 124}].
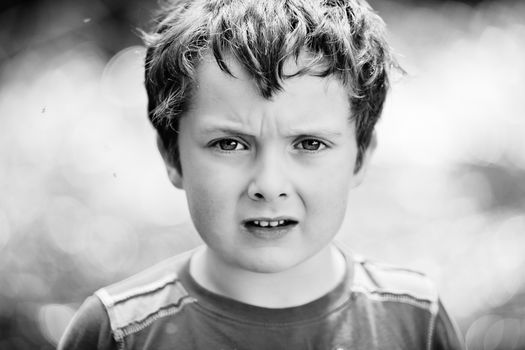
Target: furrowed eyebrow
[
  {"x": 290, "y": 133},
  {"x": 315, "y": 132},
  {"x": 213, "y": 129}
]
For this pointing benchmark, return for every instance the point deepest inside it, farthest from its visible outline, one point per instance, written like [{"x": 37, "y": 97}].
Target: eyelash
[
  {"x": 321, "y": 145},
  {"x": 218, "y": 144}
]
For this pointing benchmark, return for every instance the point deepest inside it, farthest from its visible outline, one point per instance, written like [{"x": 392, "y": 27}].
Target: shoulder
[
  {"x": 406, "y": 294},
  {"x": 136, "y": 302},
  {"x": 89, "y": 328},
  {"x": 385, "y": 282}
]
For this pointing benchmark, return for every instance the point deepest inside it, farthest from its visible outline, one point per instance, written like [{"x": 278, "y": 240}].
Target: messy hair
[{"x": 343, "y": 38}]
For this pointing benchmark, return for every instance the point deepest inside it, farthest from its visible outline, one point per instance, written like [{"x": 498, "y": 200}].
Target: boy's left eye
[{"x": 310, "y": 145}]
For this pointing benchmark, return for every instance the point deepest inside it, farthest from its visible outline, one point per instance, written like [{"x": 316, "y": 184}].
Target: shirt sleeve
[
  {"x": 446, "y": 335},
  {"x": 89, "y": 329}
]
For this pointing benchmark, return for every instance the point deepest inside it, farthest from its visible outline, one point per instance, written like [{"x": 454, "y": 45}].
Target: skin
[{"x": 244, "y": 158}]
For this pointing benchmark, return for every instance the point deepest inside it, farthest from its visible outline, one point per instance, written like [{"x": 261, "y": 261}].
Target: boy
[{"x": 265, "y": 113}]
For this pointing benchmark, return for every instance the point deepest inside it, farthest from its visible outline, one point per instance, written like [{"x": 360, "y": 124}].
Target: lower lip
[{"x": 269, "y": 233}]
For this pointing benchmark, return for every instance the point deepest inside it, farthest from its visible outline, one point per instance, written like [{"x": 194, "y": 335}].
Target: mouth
[
  {"x": 270, "y": 223},
  {"x": 269, "y": 228}
]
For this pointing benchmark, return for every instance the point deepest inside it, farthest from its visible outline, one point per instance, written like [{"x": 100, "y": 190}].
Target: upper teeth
[{"x": 265, "y": 223}]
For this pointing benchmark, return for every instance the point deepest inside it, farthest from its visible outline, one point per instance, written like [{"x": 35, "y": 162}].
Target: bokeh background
[{"x": 84, "y": 200}]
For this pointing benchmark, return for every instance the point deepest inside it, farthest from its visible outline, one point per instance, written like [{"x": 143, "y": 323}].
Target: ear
[
  {"x": 360, "y": 175},
  {"x": 173, "y": 174}
]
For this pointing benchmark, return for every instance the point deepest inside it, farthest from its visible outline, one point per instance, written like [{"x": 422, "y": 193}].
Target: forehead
[{"x": 305, "y": 95}]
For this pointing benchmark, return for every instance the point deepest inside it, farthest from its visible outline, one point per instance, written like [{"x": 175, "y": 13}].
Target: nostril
[
  {"x": 265, "y": 193},
  {"x": 259, "y": 195}
]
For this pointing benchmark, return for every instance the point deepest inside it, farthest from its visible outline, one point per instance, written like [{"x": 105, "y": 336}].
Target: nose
[{"x": 270, "y": 180}]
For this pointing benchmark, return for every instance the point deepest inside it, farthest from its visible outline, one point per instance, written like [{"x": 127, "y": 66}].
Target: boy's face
[{"x": 266, "y": 180}]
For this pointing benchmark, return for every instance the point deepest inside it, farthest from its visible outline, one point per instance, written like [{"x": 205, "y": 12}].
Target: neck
[{"x": 299, "y": 285}]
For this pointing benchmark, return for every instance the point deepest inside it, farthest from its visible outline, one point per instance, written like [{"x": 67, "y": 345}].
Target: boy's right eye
[{"x": 229, "y": 145}]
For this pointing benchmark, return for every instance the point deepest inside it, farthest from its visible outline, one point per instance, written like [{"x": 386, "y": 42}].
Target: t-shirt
[{"x": 374, "y": 307}]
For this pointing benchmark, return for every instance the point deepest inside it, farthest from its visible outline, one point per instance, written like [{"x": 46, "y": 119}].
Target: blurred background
[{"x": 84, "y": 200}]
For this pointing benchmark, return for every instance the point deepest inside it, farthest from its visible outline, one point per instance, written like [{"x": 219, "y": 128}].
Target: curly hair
[{"x": 343, "y": 38}]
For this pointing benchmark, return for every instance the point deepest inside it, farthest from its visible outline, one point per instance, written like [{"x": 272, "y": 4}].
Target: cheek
[
  {"x": 332, "y": 179},
  {"x": 326, "y": 214},
  {"x": 205, "y": 196},
  {"x": 208, "y": 211},
  {"x": 330, "y": 200},
  {"x": 212, "y": 193},
  {"x": 326, "y": 193}
]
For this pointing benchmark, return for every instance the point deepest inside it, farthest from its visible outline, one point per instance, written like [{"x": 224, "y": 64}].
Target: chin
[{"x": 270, "y": 263}]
